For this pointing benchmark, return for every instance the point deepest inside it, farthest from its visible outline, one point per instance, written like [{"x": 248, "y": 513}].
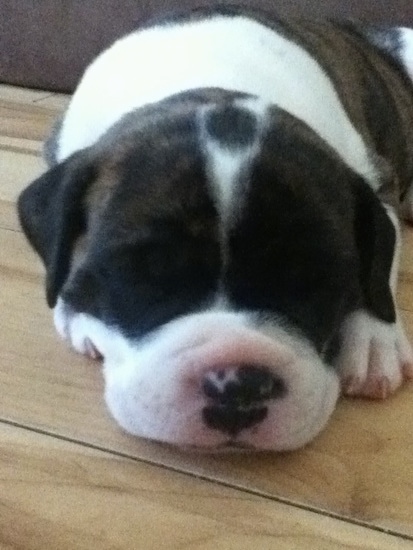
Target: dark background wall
[{"x": 48, "y": 43}]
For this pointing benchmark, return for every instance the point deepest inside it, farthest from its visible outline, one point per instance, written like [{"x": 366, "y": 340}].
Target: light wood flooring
[{"x": 70, "y": 479}]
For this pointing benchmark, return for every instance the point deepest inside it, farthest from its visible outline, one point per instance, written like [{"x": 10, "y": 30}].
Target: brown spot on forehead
[
  {"x": 152, "y": 175},
  {"x": 170, "y": 192},
  {"x": 100, "y": 191}
]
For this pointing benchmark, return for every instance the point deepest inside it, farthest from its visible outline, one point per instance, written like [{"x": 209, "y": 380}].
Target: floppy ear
[
  {"x": 52, "y": 214},
  {"x": 376, "y": 240}
]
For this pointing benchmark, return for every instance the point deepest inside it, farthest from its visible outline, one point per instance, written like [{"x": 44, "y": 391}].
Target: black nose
[{"x": 238, "y": 397}]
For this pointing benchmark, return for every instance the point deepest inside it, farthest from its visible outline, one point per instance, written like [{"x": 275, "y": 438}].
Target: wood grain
[
  {"x": 22, "y": 95},
  {"x": 66, "y": 496},
  {"x": 361, "y": 467}
]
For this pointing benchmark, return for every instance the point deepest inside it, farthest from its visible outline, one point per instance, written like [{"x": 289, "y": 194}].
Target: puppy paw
[
  {"x": 375, "y": 357},
  {"x": 90, "y": 350},
  {"x": 75, "y": 329}
]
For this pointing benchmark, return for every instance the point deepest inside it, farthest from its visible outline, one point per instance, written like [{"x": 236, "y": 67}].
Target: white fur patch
[
  {"x": 231, "y": 53},
  {"x": 394, "y": 271},
  {"x": 225, "y": 164},
  {"x": 154, "y": 388},
  {"x": 224, "y": 167}
]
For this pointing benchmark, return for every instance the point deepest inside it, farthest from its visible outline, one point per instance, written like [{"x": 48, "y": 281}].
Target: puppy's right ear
[{"x": 52, "y": 214}]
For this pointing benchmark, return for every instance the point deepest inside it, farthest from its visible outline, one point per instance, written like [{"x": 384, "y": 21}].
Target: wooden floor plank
[
  {"x": 19, "y": 145},
  {"x": 18, "y": 169},
  {"x": 26, "y": 121},
  {"x": 55, "y": 494},
  {"x": 8, "y": 216},
  {"x": 55, "y": 101},
  {"x": 21, "y": 95}
]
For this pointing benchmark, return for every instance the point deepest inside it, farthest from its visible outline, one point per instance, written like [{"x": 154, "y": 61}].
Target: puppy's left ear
[{"x": 52, "y": 214}]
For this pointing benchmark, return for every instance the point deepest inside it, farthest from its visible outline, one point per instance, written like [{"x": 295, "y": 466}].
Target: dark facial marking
[
  {"x": 154, "y": 250},
  {"x": 231, "y": 126},
  {"x": 231, "y": 420},
  {"x": 293, "y": 252}
]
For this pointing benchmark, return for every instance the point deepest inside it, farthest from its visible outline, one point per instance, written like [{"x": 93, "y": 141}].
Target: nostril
[
  {"x": 259, "y": 383},
  {"x": 242, "y": 386}
]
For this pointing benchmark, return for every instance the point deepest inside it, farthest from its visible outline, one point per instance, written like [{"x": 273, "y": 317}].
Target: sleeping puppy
[{"x": 220, "y": 223}]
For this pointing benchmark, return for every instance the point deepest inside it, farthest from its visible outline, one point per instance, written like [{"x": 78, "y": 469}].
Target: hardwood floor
[{"x": 69, "y": 478}]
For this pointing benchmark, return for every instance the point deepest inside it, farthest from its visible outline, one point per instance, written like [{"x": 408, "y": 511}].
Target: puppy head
[{"x": 207, "y": 249}]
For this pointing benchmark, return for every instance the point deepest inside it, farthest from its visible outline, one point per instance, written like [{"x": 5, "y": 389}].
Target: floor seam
[{"x": 205, "y": 477}]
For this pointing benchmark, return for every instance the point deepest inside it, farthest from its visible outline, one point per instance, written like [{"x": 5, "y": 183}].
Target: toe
[
  {"x": 350, "y": 385},
  {"x": 91, "y": 350},
  {"x": 407, "y": 369},
  {"x": 376, "y": 388}
]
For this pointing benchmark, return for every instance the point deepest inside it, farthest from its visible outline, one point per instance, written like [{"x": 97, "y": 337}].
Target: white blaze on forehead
[
  {"x": 226, "y": 163},
  {"x": 228, "y": 167},
  {"x": 224, "y": 167},
  {"x": 233, "y": 53}
]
